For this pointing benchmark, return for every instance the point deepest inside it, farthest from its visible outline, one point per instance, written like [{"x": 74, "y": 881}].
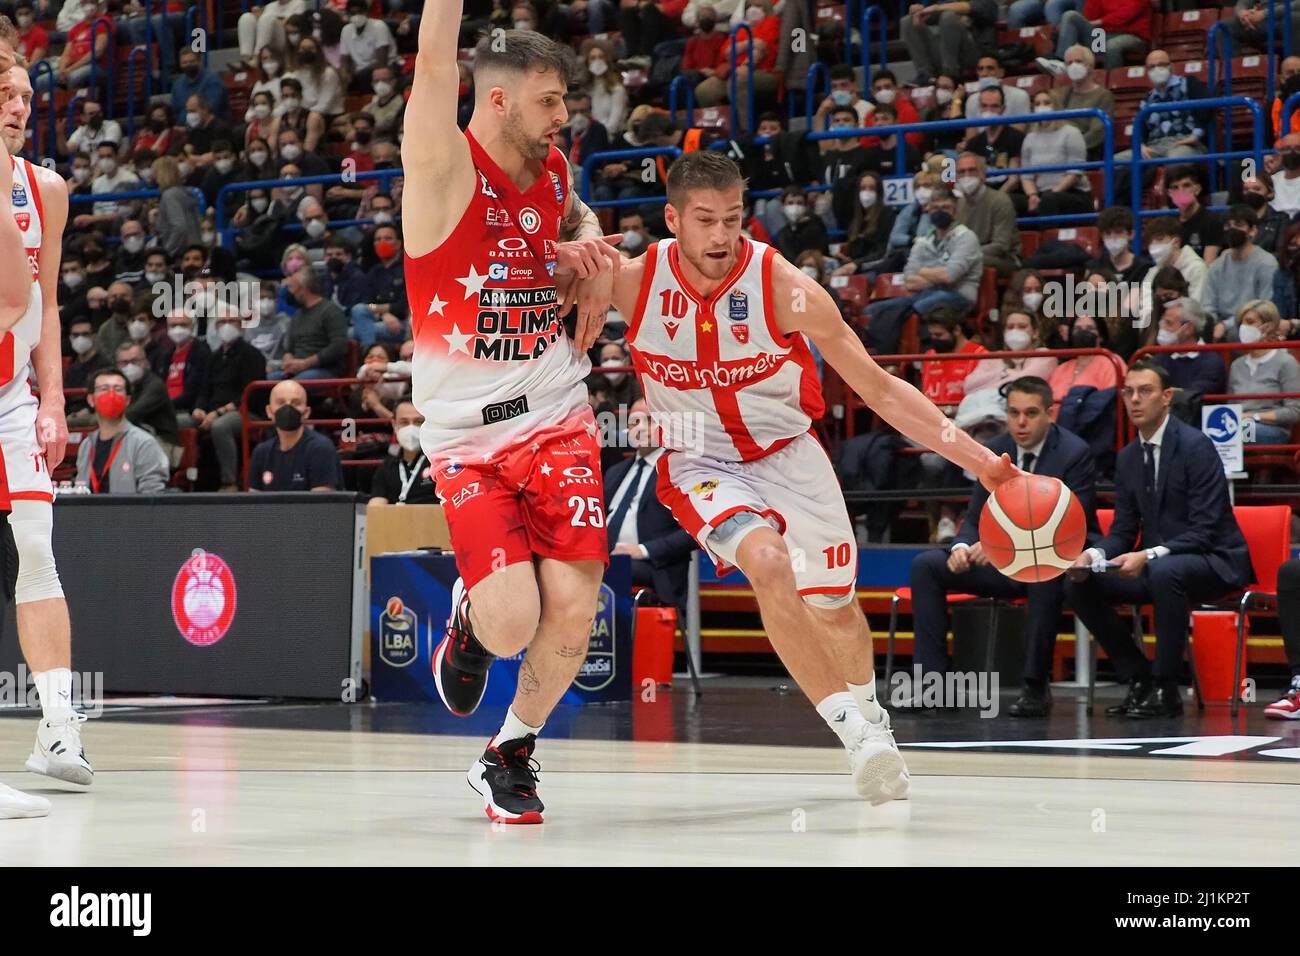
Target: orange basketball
[{"x": 1032, "y": 528}]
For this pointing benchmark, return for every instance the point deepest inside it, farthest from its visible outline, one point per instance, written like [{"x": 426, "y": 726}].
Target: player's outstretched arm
[
  {"x": 804, "y": 306},
  {"x": 47, "y": 358},
  {"x": 438, "y": 170}
]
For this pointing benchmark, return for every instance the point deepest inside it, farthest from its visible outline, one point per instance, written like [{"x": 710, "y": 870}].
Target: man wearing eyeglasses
[
  {"x": 119, "y": 458},
  {"x": 1169, "y": 489}
]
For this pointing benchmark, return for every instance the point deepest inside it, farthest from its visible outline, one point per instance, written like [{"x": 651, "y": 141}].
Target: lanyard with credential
[
  {"x": 97, "y": 478},
  {"x": 408, "y": 480}
]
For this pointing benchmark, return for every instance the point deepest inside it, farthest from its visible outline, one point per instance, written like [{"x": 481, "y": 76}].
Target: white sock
[
  {"x": 55, "y": 689},
  {"x": 841, "y": 713},
  {"x": 865, "y": 695},
  {"x": 513, "y": 728}
]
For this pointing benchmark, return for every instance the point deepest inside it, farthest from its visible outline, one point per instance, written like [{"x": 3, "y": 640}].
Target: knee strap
[{"x": 32, "y": 524}]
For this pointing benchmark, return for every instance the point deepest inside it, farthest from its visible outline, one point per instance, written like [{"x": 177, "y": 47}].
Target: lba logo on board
[
  {"x": 203, "y": 599},
  {"x": 399, "y": 634}
]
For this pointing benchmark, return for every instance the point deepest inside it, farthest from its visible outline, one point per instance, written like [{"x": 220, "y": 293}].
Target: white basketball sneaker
[
  {"x": 58, "y": 752},
  {"x": 15, "y": 804},
  {"x": 879, "y": 772}
]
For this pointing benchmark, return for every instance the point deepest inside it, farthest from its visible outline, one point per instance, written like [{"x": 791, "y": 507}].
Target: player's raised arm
[
  {"x": 804, "y": 306},
  {"x": 439, "y": 173}
]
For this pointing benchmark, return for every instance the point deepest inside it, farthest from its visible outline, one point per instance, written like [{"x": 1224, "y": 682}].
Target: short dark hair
[
  {"x": 522, "y": 51},
  {"x": 1161, "y": 226},
  {"x": 884, "y": 75},
  {"x": 771, "y": 116},
  {"x": 945, "y": 315},
  {"x": 842, "y": 71},
  {"x": 338, "y": 242},
  {"x": 292, "y": 82},
  {"x": 655, "y": 126},
  {"x": 1002, "y": 96},
  {"x": 794, "y": 189},
  {"x": 1031, "y": 385},
  {"x": 704, "y": 169},
  {"x": 1150, "y": 365},
  {"x": 110, "y": 370},
  {"x": 1184, "y": 171},
  {"x": 1115, "y": 219},
  {"x": 1240, "y": 212},
  {"x": 850, "y": 111}
]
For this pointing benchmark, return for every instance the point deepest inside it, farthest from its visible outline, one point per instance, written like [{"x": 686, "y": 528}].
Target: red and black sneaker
[
  {"x": 1288, "y": 708},
  {"x": 461, "y": 663},
  {"x": 506, "y": 778}
]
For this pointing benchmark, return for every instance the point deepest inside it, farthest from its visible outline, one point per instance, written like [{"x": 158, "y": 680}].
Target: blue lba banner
[{"x": 410, "y": 601}]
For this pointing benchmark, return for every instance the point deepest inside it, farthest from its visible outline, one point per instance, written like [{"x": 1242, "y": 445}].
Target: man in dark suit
[
  {"x": 639, "y": 524},
  {"x": 1170, "y": 488},
  {"x": 1040, "y": 447}
]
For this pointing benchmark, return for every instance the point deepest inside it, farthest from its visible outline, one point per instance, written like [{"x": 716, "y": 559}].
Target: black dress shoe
[
  {"x": 1032, "y": 702},
  {"x": 1137, "y": 692},
  {"x": 1163, "y": 701}
]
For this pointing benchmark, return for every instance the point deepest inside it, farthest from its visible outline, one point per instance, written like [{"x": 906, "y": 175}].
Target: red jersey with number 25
[{"x": 493, "y": 364}]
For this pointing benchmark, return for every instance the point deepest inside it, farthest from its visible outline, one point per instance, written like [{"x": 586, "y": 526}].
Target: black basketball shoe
[
  {"x": 461, "y": 664},
  {"x": 506, "y": 778}
]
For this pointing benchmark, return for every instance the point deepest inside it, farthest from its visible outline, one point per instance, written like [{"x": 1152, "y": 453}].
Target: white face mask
[
  {"x": 755, "y": 15},
  {"x": 291, "y": 151},
  {"x": 1032, "y": 300},
  {"x": 81, "y": 173},
  {"x": 133, "y": 373},
  {"x": 598, "y": 67},
  {"x": 886, "y": 96},
  {"x": 224, "y": 165},
  {"x": 290, "y": 103},
  {"x": 383, "y": 88},
  {"x": 1077, "y": 71},
  {"x": 1159, "y": 75},
  {"x": 133, "y": 244},
  {"x": 81, "y": 344},
  {"x": 1160, "y": 251},
  {"x": 632, "y": 240},
  {"x": 408, "y": 436},
  {"x": 1116, "y": 246},
  {"x": 867, "y": 197},
  {"x": 152, "y": 277},
  {"x": 987, "y": 113},
  {"x": 146, "y": 174},
  {"x": 382, "y": 218},
  {"x": 259, "y": 206},
  {"x": 315, "y": 228},
  {"x": 523, "y": 24},
  {"x": 1043, "y": 108},
  {"x": 1249, "y": 335},
  {"x": 1017, "y": 340},
  {"x": 261, "y": 111},
  {"x": 267, "y": 308},
  {"x": 257, "y": 157},
  {"x": 359, "y": 21},
  {"x": 271, "y": 67},
  {"x": 924, "y": 194},
  {"x": 943, "y": 96},
  {"x": 1165, "y": 337},
  {"x": 811, "y": 272},
  {"x": 229, "y": 331},
  {"x": 193, "y": 118},
  {"x": 968, "y": 185},
  {"x": 988, "y": 82},
  {"x": 793, "y": 211},
  {"x": 138, "y": 329},
  {"x": 185, "y": 169},
  {"x": 73, "y": 279},
  {"x": 107, "y": 165},
  {"x": 180, "y": 334}
]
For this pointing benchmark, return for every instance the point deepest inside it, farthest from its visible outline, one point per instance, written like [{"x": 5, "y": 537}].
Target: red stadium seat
[
  {"x": 1128, "y": 79},
  {"x": 854, "y": 291},
  {"x": 1085, "y": 237},
  {"x": 890, "y": 286},
  {"x": 1039, "y": 38},
  {"x": 1029, "y": 240},
  {"x": 1032, "y": 85},
  {"x": 987, "y": 298},
  {"x": 1198, "y": 68}
]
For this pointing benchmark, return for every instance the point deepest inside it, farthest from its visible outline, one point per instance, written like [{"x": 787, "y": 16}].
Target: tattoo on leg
[
  {"x": 571, "y": 652},
  {"x": 528, "y": 682}
]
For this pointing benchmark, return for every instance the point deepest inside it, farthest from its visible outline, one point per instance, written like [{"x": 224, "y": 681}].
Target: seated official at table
[
  {"x": 1040, "y": 447},
  {"x": 1169, "y": 489},
  {"x": 638, "y": 522}
]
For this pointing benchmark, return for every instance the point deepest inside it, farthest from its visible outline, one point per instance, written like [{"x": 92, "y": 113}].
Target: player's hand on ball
[{"x": 997, "y": 471}]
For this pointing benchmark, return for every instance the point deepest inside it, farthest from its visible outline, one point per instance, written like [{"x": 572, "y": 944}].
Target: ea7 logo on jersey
[
  {"x": 462, "y": 495},
  {"x": 530, "y": 220},
  {"x": 486, "y": 189},
  {"x": 497, "y": 218}
]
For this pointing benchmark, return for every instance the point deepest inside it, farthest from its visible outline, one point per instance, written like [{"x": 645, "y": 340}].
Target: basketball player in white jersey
[
  {"x": 33, "y": 436},
  {"x": 494, "y": 239},
  {"x": 719, "y": 335}
]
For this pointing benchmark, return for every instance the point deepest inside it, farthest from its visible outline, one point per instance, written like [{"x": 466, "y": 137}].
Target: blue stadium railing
[{"x": 225, "y": 231}]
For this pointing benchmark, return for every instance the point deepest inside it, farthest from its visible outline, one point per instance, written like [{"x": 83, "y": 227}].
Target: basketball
[{"x": 1032, "y": 528}]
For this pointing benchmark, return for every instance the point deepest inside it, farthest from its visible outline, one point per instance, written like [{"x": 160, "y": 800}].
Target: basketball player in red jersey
[
  {"x": 719, "y": 336},
  {"x": 508, "y": 432},
  {"x": 33, "y": 435}
]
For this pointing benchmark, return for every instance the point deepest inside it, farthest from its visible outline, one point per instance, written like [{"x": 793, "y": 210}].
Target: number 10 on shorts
[
  {"x": 838, "y": 556},
  {"x": 587, "y": 512}
]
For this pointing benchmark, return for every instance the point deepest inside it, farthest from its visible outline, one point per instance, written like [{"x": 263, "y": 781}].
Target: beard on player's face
[{"x": 535, "y": 146}]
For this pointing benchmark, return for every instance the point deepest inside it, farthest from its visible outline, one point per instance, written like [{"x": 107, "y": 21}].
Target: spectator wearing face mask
[
  {"x": 129, "y": 265},
  {"x": 624, "y": 389},
  {"x": 583, "y": 135},
  {"x": 82, "y": 172},
  {"x": 388, "y": 104},
  {"x": 322, "y": 89},
  {"x": 1257, "y": 193},
  {"x": 72, "y": 285},
  {"x": 1125, "y": 26},
  {"x": 266, "y": 330},
  {"x": 605, "y": 84},
  {"x": 1116, "y": 225},
  {"x": 802, "y": 229},
  {"x": 867, "y": 242},
  {"x": 766, "y": 32},
  {"x": 293, "y": 115},
  {"x": 258, "y": 164},
  {"x": 1197, "y": 374},
  {"x": 366, "y": 43},
  {"x": 183, "y": 363},
  {"x": 1164, "y": 244},
  {"x": 194, "y": 81},
  {"x": 203, "y": 131},
  {"x": 1265, "y": 371},
  {"x": 1052, "y": 143},
  {"x": 346, "y": 285},
  {"x": 989, "y": 74},
  {"x": 221, "y": 173},
  {"x": 1242, "y": 273},
  {"x": 636, "y": 238},
  {"x": 388, "y": 283},
  {"x": 34, "y": 41},
  {"x": 1172, "y": 133},
  {"x": 819, "y": 268},
  {"x": 93, "y": 130},
  {"x": 235, "y": 364},
  {"x": 86, "y": 55},
  {"x": 178, "y": 211},
  {"x": 157, "y": 268},
  {"x": 118, "y": 458},
  {"x": 1082, "y": 93},
  {"x": 949, "y": 104},
  {"x": 844, "y": 94},
  {"x": 150, "y": 407},
  {"x": 268, "y": 71},
  {"x": 912, "y": 222},
  {"x": 99, "y": 267},
  {"x": 158, "y": 134},
  {"x": 305, "y": 163},
  {"x": 1286, "y": 185},
  {"x": 1025, "y": 292},
  {"x": 989, "y": 214},
  {"x": 120, "y": 328},
  {"x": 404, "y": 478},
  {"x": 704, "y": 48},
  {"x": 262, "y": 27},
  {"x": 998, "y": 146},
  {"x": 883, "y": 156},
  {"x": 315, "y": 223},
  {"x": 259, "y": 120},
  {"x": 295, "y": 458},
  {"x": 110, "y": 177},
  {"x": 1017, "y": 332},
  {"x": 1095, "y": 371},
  {"x": 86, "y": 356},
  {"x": 884, "y": 92},
  {"x": 317, "y": 341}
]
